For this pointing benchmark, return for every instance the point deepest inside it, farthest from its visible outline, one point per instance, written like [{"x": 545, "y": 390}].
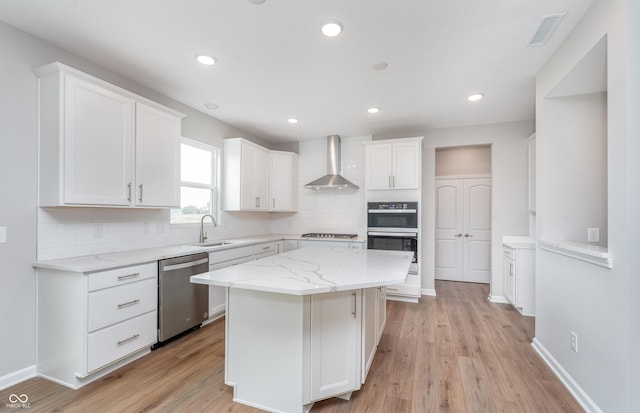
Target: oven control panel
[{"x": 393, "y": 205}]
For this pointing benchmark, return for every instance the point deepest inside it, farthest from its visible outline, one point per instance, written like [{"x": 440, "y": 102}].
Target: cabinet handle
[
  {"x": 257, "y": 202},
  {"x": 390, "y": 184},
  {"x": 393, "y": 179},
  {"x": 354, "y": 304},
  {"x": 132, "y": 302},
  {"x": 126, "y": 277},
  {"x": 126, "y": 340},
  {"x": 140, "y": 199},
  {"x": 129, "y": 191},
  {"x": 274, "y": 203},
  {"x": 266, "y": 248}
]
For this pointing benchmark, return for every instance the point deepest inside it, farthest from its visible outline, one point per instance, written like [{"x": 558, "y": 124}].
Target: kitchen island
[{"x": 303, "y": 326}]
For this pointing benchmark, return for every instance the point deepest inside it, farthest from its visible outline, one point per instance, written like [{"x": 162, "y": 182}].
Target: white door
[
  {"x": 463, "y": 230},
  {"x": 157, "y": 157},
  {"x": 98, "y": 145},
  {"x": 477, "y": 231}
]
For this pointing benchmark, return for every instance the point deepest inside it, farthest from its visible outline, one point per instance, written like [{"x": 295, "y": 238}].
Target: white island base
[{"x": 288, "y": 346}]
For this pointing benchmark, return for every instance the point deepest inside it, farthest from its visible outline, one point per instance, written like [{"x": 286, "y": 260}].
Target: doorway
[{"x": 463, "y": 214}]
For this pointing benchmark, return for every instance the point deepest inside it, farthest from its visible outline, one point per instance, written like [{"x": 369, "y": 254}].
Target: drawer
[
  {"x": 112, "y": 305},
  {"x": 120, "y": 340},
  {"x": 121, "y": 276},
  {"x": 230, "y": 254},
  {"x": 229, "y": 263},
  {"x": 269, "y": 247},
  {"x": 509, "y": 252}
]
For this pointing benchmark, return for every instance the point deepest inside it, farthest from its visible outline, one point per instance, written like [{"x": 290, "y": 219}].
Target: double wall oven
[{"x": 394, "y": 226}]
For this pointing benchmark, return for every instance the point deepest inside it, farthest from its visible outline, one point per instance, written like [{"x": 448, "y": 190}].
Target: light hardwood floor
[{"x": 456, "y": 352}]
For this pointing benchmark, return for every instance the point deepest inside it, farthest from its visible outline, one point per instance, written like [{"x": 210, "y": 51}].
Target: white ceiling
[{"x": 273, "y": 62}]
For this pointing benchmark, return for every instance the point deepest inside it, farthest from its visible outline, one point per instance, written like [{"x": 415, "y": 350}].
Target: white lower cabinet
[
  {"x": 89, "y": 324},
  {"x": 519, "y": 278}
]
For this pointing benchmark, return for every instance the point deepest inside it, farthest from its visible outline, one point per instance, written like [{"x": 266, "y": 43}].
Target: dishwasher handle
[{"x": 185, "y": 265}]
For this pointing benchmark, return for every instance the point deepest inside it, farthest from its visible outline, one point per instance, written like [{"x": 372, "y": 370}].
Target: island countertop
[{"x": 314, "y": 270}]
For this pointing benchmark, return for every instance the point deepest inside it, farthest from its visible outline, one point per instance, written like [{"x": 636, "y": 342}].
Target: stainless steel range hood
[{"x": 333, "y": 179}]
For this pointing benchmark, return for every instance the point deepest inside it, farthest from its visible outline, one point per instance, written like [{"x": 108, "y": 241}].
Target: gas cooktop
[{"x": 326, "y": 235}]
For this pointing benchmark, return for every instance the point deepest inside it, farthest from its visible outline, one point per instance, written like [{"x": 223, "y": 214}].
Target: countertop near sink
[
  {"x": 519, "y": 242},
  {"x": 93, "y": 263}
]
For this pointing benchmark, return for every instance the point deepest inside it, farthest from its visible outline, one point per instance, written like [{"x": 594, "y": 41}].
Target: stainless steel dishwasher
[{"x": 182, "y": 305}]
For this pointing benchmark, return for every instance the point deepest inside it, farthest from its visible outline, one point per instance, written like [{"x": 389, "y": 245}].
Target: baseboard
[
  {"x": 17, "y": 377},
  {"x": 500, "y": 299},
  {"x": 429, "y": 291},
  {"x": 574, "y": 388}
]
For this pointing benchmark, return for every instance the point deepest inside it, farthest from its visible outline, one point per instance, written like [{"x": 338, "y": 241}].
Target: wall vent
[{"x": 546, "y": 29}]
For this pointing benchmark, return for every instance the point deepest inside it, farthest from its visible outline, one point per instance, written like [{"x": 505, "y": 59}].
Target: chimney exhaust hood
[{"x": 334, "y": 179}]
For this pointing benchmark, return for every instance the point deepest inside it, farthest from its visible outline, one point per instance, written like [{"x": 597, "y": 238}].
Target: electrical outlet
[
  {"x": 3, "y": 235},
  {"x": 593, "y": 234},
  {"x": 574, "y": 342}
]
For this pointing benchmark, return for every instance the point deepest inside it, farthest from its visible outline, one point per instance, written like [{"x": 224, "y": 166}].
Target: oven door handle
[
  {"x": 393, "y": 234},
  {"x": 392, "y": 211}
]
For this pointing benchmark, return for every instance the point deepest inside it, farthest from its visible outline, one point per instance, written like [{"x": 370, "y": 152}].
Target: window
[{"x": 198, "y": 177}]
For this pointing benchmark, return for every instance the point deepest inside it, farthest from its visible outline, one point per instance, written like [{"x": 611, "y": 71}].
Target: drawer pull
[
  {"x": 266, "y": 248},
  {"x": 133, "y": 302},
  {"x": 128, "y": 276},
  {"x": 126, "y": 340},
  {"x": 354, "y": 304}
]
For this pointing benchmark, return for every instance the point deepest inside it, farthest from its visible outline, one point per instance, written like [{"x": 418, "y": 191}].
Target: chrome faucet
[{"x": 203, "y": 235}]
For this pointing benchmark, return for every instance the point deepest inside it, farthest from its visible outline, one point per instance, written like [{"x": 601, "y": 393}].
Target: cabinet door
[
  {"x": 378, "y": 166},
  {"x": 157, "y": 157},
  {"x": 261, "y": 179},
  {"x": 369, "y": 328},
  {"x": 509, "y": 280},
  {"x": 283, "y": 181},
  {"x": 406, "y": 164},
  {"x": 335, "y": 343},
  {"x": 98, "y": 144},
  {"x": 381, "y": 308}
]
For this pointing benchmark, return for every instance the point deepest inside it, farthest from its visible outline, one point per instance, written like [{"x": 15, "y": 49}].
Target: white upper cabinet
[
  {"x": 157, "y": 157},
  {"x": 284, "y": 181},
  {"x": 393, "y": 164},
  {"x": 257, "y": 179},
  {"x": 100, "y": 145}
]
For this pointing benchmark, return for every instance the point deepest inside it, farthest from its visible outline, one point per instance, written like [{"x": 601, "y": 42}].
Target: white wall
[
  {"x": 65, "y": 232},
  {"x": 571, "y": 295},
  {"x": 463, "y": 160},
  {"x": 509, "y": 207},
  {"x": 327, "y": 211}
]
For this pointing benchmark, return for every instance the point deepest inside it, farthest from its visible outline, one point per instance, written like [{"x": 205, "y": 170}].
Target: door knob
[
  {"x": 458, "y": 235},
  {"x": 468, "y": 235}
]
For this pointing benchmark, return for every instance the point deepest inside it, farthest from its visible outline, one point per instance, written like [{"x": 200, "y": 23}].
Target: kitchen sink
[{"x": 211, "y": 244}]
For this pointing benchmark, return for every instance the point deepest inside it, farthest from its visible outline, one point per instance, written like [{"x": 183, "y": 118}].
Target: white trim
[
  {"x": 431, "y": 292},
  {"x": 592, "y": 254},
  {"x": 574, "y": 388},
  {"x": 17, "y": 377},
  {"x": 499, "y": 299}
]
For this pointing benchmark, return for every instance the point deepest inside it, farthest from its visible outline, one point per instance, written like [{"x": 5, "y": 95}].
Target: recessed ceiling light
[
  {"x": 332, "y": 29},
  {"x": 373, "y": 110},
  {"x": 477, "y": 96},
  {"x": 211, "y": 106},
  {"x": 257, "y": 1},
  {"x": 292, "y": 120},
  {"x": 206, "y": 59}
]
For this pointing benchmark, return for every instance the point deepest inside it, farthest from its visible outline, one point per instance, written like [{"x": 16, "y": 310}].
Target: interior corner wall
[
  {"x": 572, "y": 295},
  {"x": 509, "y": 202}
]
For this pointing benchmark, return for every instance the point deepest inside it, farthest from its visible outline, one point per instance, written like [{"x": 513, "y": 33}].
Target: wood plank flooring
[{"x": 456, "y": 352}]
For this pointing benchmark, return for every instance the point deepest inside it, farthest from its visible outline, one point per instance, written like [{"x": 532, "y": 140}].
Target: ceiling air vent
[{"x": 546, "y": 29}]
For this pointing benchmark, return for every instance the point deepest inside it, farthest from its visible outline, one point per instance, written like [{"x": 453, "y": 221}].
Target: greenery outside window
[{"x": 198, "y": 178}]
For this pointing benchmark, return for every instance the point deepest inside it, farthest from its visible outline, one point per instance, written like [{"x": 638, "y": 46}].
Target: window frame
[{"x": 214, "y": 187}]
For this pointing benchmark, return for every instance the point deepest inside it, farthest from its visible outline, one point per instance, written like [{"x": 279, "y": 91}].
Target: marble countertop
[
  {"x": 100, "y": 262},
  {"x": 314, "y": 270},
  {"x": 519, "y": 242}
]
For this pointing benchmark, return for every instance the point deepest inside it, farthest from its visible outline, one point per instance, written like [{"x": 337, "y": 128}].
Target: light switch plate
[
  {"x": 3, "y": 235},
  {"x": 593, "y": 234}
]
